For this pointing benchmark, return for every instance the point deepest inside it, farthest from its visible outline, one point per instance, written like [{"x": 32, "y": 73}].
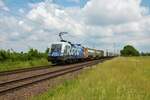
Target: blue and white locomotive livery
[{"x": 66, "y": 52}]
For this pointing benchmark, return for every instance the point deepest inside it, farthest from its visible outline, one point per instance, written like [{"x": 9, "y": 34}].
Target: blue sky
[
  {"x": 99, "y": 24},
  {"x": 16, "y": 4},
  {"x": 146, "y": 3}
]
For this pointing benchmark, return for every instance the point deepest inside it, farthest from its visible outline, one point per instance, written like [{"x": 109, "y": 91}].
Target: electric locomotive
[{"x": 65, "y": 52}]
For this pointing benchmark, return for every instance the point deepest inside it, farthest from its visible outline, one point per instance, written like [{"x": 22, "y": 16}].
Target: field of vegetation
[
  {"x": 11, "y": 60},
  {"x": 9, "y": 65},
  {"x": 123, "y": 78}
]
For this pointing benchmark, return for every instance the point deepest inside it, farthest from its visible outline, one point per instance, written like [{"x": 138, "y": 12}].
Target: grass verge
[
  {"x": 9, "y": 65},
  {"x": 123, "y": 78}
]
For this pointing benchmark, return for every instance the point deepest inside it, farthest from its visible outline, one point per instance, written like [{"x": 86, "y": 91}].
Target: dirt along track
[{"x": 14, "y": 81}]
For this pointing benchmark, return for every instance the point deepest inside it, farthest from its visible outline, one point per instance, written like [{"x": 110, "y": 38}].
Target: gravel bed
[
  {"x": 6, "y": 78},
  {"x": 27, "y": 92}
]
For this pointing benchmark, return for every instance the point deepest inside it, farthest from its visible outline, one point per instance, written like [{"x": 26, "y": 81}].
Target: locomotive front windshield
[{"x": 56, "y": 47}]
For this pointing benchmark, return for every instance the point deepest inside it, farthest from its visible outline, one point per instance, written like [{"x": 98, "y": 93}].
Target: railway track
[
  {"x": 13, "y": 84},
  {"x": 23, "y": 70}
]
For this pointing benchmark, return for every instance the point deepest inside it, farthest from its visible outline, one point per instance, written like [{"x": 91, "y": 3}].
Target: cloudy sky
[{"x": 101, "y": 24}]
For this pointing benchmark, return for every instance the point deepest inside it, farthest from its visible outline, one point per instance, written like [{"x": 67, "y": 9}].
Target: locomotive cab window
[{"x": 56, "y": 47}]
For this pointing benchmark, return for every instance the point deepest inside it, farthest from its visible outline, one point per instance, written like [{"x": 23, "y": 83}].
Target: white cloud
[
  {"x": 99, "y": 24},
  {"x": 105, "y": 12},
  {"x": 2, "y": 39},
  {"x": 3, "y": 6},
  {"x": 21, "y": 10},
  {"x": 55, "y": 18}
]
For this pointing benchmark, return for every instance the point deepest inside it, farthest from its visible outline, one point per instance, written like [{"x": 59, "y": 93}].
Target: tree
[
  {"x": 47, "y": 50},
  {"x": 11, "y": 55},
  {"x": 129, "y": 50}
]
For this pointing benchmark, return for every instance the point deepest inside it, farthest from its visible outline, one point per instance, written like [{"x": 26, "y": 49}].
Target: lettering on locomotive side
[{"x": 73, "y": 51}]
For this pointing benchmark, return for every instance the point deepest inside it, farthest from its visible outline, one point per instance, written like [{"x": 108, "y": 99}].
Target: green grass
[
  {"x": 123, "y": 78},
  {"x": 9, "y": 65}
]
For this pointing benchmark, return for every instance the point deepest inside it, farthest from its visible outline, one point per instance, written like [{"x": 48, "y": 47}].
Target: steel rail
[
  {"x": 16, "y": 84},
  {"x": 23, "y": 70},
  {"x": 3, "y": 73},
  {"x": 50, "y": 72}
]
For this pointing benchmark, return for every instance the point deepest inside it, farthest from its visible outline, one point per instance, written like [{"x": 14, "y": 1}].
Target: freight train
[{"x": 67, "y": 52}]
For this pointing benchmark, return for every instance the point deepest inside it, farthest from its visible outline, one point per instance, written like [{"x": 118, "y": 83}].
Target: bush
[
  {"x": 10, "y": 55},
  {"x": 129, "y": 50}
]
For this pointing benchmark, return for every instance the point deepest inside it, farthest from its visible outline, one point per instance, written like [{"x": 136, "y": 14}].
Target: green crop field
[
  {"x": 12, "y": 65},
  {"x": 123, "y": 78}
]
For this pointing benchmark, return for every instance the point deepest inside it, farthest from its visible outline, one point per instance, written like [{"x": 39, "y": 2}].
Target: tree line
[
  {"x": 145, "y": 54},
  {"x": 32, "y": 54},
  {"x": 129, "y": 50},
  {"x": 10, "y": 55}
]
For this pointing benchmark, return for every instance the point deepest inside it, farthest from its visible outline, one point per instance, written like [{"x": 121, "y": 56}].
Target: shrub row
[{"x": 10, "y": 55}]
